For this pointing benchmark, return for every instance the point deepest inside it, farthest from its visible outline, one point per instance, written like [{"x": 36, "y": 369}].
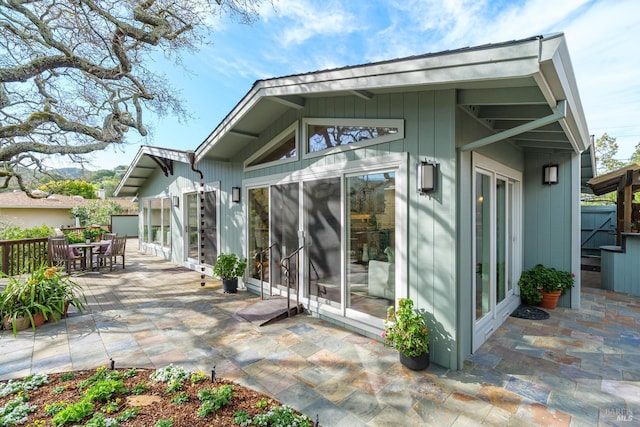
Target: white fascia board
[
  {"x": 498, "y": 62},
  {"x": 561, "y": 84},
  {"x": 132, "y": 166},
  {"x": 239, "y": 111},
  {"x": 167, "y": 153}
]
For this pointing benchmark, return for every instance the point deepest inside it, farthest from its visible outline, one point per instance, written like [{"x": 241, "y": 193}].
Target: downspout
[{"x": 192, "y": 162}]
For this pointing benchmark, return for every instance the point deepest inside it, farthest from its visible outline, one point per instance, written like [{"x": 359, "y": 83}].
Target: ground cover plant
[{"x": 166, "y": 397}]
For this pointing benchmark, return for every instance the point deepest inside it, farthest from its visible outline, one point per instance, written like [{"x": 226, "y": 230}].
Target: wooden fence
[{"x": 23, "y": 256}]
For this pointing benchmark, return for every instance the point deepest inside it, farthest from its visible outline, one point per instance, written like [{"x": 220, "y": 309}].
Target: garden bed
[{"x": 139, "y": 397}]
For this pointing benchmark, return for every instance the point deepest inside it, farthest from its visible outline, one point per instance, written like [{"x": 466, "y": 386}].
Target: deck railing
[{"x": 23, "y": 256}]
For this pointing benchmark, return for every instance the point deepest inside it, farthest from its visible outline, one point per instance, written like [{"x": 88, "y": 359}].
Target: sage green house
[{"x": 420, "y": 177}]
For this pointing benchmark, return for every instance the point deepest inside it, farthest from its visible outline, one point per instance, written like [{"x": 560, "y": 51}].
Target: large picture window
[
  {"x": 338, "y": 134},
  {"x": 156, "y": 221}
]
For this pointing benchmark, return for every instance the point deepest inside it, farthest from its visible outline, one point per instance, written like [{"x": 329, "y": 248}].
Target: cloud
[{"x": 307, "y": 19}]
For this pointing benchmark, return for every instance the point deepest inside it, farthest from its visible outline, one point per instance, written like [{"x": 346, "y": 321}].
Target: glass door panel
[
  {"x": 210, "y": 228},
  {"x": 371, "y": 206},
  {"x": 501, "y": 240},
  {"x": 483, "y": 245},
  {"x": 192, "y": 225},
  {"x": 323, "y": 242},
  {"x": 284, "y": 231},
  {"x": 259, "y": 232},
  {"x": 495, "y": 250}
]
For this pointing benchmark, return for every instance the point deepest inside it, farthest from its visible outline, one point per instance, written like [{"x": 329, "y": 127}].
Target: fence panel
[{"x": 598, "y": 228}]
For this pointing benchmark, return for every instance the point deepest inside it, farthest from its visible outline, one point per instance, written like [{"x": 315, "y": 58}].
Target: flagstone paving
[{"x": 577, "y": 368}]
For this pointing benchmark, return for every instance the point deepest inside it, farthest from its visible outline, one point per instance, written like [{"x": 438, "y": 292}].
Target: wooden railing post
[{"x": 24, "y": 255}]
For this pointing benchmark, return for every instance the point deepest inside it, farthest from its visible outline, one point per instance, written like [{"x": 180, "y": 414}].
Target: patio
[{"x": 576, "y": 368}]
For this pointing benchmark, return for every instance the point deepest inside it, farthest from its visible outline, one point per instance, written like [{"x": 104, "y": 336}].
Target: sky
[{"x": 297, "y": 36}]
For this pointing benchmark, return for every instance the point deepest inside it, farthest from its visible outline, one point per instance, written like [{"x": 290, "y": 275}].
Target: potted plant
[
  {"x": 635, "y": 226},
  {"x": 407, "y": 332},
  {"x": 88, "y": 235},
  {"x": 548, "y": 282},
  {"x": 228, "y": 268},
  {"x": 44, "y": 294}
]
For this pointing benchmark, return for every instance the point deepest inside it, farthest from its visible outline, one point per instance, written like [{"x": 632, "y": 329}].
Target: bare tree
[{"x": 74, "y": 74}]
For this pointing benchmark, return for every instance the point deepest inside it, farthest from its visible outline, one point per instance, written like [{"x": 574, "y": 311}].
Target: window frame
[
  {"x": 147, "y": 224},
  {"x": 394, "y": 123},
  {"x": 292, "y": 129}
]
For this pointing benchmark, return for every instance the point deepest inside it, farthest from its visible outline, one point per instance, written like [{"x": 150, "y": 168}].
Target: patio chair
[
  {"x": 108, "y": 236},
  {"x": 115, "y": 250},
  {"x": 60, "y": 253},
  {"x": 105, "y": 237}
]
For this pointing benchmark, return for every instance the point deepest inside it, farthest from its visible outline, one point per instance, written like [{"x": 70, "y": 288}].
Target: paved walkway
[{"x": 576, "y": 368}]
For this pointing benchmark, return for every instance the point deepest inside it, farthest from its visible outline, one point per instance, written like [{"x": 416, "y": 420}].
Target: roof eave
[{"x": 520, "y": 59}]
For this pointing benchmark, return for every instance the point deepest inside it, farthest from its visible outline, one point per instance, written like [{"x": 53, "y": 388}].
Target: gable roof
[
  {"x": 148, "y": 159},
  {"x": 523, "y": 91}
]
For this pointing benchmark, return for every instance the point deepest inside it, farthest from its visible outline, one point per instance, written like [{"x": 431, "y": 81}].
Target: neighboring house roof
[
  {"x": 524, "y": 91},
  {"x": 19, "y": 200}
]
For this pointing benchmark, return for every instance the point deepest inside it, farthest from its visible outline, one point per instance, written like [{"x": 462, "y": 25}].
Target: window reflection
[{"x": 371, "y": 242}]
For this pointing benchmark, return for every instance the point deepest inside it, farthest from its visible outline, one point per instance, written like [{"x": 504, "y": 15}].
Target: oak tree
[{"x": 76, "y": 75}]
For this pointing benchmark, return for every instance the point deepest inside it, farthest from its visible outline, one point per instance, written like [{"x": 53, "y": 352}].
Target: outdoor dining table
[{"x": 88, "y": 251}]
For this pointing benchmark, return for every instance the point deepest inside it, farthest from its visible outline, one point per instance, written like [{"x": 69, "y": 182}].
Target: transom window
[
  {"x": 282, "y": 148},
  {"x": 337, "y": 134}
]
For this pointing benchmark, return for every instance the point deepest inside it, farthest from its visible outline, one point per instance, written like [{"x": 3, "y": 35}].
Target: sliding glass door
[{"x": 345, "y": 228}]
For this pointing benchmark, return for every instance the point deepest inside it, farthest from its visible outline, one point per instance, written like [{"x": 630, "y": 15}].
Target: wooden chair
[
  {"x": 60, "y": 253},
  {"x": 115, "y": 250},
  {"x": 102, "y": 249},
  {"x": 108, "y": 236}
]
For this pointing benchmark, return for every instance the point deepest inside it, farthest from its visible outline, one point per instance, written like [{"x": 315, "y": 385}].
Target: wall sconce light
[
  {"x": 427, "y": 177},
  {"x": 550, "y": 174},
  {"x": 176, "y": 201},
  {"x": 235, "y": 194}
]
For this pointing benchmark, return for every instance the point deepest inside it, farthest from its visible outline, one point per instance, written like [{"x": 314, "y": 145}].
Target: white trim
[
  {"x": 328, "y": 171},
  {"x": 194, "y": 264},
  {"x": 396, "y": 162},
  {"x": 291, "y": 129},
  {"x": 393, "y": 123},
  {"x": 482, "y": 328}
]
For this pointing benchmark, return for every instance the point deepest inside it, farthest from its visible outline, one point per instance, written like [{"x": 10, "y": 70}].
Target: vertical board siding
[
  {"x": 547, "y": 215},
  {"x": 444, "y": 223},
  {"x": 429, "y": 132}
]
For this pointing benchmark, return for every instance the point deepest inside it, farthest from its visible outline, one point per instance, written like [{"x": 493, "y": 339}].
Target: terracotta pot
[
  {"x": 56, "y": 316},
  {"x": 38, "y": 319},
  {"x": 550, "y": 299},
  {"x": 22, "y": 323},
  {"x": 417, "y": 363}
]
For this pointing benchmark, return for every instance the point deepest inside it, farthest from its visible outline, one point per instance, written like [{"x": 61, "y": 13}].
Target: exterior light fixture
[
  {"x": 235, "y": 194},
  {"x": 550, "y": 174},
  {"x": 427, "y": 177},
  {"x": 176, "y": 201}
]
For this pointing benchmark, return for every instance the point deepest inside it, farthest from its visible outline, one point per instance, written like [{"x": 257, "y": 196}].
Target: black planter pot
[
  {"x": 417, "y": 363},
  {"x": 230, "y": 286}
]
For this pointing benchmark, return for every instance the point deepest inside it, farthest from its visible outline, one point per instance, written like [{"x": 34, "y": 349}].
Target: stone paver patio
[{"x": 580, "y": 367}]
